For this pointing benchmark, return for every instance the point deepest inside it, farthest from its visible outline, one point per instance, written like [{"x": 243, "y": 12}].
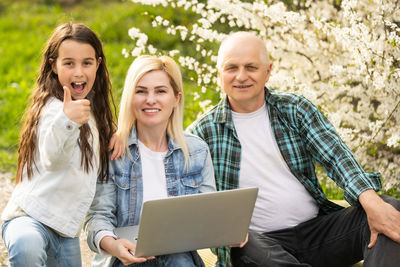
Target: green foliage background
[{"x": 25, "y": 27}]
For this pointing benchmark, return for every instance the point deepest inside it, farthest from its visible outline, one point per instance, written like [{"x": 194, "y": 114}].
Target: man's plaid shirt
[{"x": 303, "y": 135}]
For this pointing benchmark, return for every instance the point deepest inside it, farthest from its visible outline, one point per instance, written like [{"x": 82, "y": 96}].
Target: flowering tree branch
[{"x": 345, "y": 59}]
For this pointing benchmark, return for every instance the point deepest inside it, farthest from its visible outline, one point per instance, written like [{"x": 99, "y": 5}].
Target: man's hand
[
  {"x": 121, "y": 248},
  {"x": 383, "y": 218},
  {"x": 76, "y": 110},
  {"x": 241, "y": 244}
]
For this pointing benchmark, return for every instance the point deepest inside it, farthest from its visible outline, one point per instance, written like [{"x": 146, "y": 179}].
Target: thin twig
[{"x": 388, "y": 118}]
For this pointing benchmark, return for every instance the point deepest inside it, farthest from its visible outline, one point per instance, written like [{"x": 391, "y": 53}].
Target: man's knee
[
  {"x": 256, "y": 252},
  {"x": 244, "y": 257},
  {"x": 273, "y": 255},
  {"x": 262, "y": 250},
  {"x": 249, "y": 254}
]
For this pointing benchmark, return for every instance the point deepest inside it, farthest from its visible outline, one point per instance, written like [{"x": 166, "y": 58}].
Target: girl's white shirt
[{"x": 60, "y": 192}]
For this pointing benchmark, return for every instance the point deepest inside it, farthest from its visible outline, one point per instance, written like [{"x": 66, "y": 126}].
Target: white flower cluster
[
  {"x": 141, "y": 46},
  {"x": 346, "y": 60}
]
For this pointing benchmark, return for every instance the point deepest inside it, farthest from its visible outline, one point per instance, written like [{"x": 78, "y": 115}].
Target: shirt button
[
  {"x": 124, "y": 185},
  {"x": 69, "y": 127},
  {"x": 196, "y": 184}
]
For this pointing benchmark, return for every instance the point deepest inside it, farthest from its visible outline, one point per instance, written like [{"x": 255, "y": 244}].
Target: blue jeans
[
  {"x": 171, "y": 260},
  {"x": 30, "y": 243},
  {"x": 338, "y": 239}
]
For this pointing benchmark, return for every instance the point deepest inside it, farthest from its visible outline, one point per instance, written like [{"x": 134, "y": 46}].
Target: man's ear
[
  {"x": 269, "y": 69},
  {"x": 218, "y": 78},
  {"x": 53, "y": 65}
]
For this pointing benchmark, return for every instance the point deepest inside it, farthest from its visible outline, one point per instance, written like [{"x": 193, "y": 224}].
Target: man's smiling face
[{"x": 243, "y": 72}]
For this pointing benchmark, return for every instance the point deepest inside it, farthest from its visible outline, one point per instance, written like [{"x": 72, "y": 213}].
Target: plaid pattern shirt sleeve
[
  {"x": 320, "y": 142},
  {"x": 303, "y": 135}
]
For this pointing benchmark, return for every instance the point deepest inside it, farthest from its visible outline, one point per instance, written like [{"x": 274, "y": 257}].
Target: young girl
[
  {"x": 161, "y": 161},
  {"x": 63, "y": 148}
]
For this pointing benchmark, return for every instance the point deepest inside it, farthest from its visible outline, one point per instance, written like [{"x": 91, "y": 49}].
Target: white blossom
[
  {"x": 345, "y": 60},
  {"x": 204, "y": 104}
]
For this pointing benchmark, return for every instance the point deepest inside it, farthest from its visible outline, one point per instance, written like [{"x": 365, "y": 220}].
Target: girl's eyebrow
[{"x": 86, "y": 59}]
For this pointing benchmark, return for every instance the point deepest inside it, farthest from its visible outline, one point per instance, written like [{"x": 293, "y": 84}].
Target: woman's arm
[
  {"x": 207, "y": 173},
  {"x": 123, "y": 249},
  {"x": 102, "y": 213}
]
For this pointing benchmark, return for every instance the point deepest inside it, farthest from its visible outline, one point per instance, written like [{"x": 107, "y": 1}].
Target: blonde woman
[{"x": 160, "y": 161}]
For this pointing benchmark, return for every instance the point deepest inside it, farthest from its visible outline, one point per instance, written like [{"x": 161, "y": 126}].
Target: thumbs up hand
[{"x": 76, "y": 110}]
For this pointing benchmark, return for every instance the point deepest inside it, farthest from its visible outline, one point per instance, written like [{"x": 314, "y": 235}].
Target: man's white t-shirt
[{"x": 282, "y": 200}]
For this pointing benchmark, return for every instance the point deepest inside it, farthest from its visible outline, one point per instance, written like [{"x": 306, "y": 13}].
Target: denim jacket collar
[{"x": 133, "y": 140}]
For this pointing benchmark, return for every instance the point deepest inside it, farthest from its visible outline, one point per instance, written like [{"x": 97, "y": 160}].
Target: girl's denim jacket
[{"x": 118, "y": 202}]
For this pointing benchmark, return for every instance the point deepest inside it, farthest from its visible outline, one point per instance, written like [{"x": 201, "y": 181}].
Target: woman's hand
[
  {"x": 117, "y": 146},
  {"x": 122, "y": 249}
]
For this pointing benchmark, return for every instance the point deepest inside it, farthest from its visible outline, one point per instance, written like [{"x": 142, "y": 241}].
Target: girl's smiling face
[{"x": 76, "y": 67}]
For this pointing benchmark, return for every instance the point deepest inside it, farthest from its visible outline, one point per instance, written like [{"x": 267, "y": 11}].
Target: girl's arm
[
  {"x": 117, "y": 146},
  {"x": 57, "y": 136},
  {"x": 59, "y": 130}
]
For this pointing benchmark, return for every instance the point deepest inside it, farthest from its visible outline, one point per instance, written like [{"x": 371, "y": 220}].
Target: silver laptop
[{"x": 191, "y": 222}]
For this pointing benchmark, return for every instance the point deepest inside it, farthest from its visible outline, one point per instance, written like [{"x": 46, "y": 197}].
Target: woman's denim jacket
[{"x": 118, "y": 202}]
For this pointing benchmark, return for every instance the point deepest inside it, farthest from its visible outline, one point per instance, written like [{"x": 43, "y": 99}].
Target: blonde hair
[{"x": 126, "y": 119}]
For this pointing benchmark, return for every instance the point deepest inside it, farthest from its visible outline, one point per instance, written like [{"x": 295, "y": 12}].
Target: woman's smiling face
[{"x": 154, "y": 100}]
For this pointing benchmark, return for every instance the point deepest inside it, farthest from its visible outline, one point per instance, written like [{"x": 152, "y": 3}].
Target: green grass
[
  {"x": 8, "y": 160},
  {"x": 331, "y": 190},
  {"x": 394, "y": 192}
]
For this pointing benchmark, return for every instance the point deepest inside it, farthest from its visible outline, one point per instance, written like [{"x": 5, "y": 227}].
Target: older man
[{"x": 271, "y": 140}]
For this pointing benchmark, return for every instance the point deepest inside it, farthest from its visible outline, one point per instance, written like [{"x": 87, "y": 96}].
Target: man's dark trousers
[{"x": 339, "y": 239}]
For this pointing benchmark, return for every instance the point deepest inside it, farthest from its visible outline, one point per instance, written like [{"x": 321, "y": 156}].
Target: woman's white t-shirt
[{"x": 153, "y": 171}]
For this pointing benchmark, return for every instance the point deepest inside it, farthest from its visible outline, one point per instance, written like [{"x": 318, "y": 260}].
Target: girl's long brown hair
[{"x": 48, "y": 85}]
